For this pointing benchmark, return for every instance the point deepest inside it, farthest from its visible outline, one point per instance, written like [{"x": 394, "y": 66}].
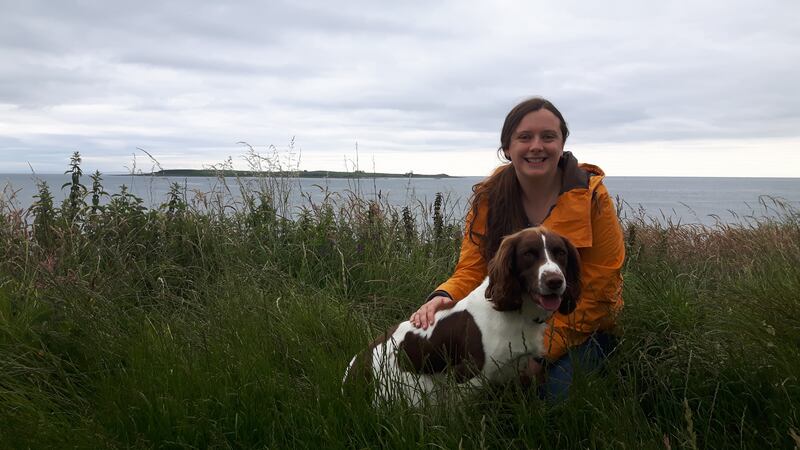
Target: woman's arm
[{"x": 468, "y": 275}]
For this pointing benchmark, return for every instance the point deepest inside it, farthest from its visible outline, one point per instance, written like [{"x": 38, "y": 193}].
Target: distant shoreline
[{"x": 292, "y": 174}]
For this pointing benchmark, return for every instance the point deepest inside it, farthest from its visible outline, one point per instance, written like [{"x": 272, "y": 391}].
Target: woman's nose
[{"x": 536, "y": 143}]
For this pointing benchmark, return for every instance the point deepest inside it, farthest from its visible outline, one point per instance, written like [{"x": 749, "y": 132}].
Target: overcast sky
[{"x": 696, "y": 88}]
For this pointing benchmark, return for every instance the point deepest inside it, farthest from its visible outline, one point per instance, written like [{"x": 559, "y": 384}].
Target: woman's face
[{"x": 536, "y": 145}]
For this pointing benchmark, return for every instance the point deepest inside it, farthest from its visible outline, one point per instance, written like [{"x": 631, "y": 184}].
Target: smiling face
[{"x": 536, "y": 145}]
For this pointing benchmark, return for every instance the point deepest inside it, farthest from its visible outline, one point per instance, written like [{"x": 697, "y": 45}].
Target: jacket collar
[
  {"x": 573, "y": 176},
  {"x": 572, "y": 214}
]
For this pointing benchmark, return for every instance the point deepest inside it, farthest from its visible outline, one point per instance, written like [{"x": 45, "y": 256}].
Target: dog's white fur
[{"x": 508, "y": 339}]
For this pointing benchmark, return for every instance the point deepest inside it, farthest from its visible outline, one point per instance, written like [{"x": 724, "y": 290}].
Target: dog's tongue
[{"x": 550, "y": 302}]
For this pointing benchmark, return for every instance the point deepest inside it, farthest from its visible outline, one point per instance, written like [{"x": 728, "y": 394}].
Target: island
[{"x": 287, "y": 173}]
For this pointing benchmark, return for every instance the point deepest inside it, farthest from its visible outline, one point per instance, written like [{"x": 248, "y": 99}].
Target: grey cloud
[
  {"x": 107, "y": 24},
  {"x": 265, "y": 70},
  {"x": 220, "y": 64},
  {"x": 34, "y": 86}
]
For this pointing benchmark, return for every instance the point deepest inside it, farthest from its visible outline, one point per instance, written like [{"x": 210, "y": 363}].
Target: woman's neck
[
  {"x": 540, "y": 189},
  {"x": 539, "y": 195}
]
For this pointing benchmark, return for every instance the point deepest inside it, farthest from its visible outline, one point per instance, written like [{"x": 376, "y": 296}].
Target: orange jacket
[{"x": 585, "y": 214}]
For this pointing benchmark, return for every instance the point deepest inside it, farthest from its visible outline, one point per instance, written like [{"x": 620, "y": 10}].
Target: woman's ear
[
  {"x": 573, "y": 277},
  {"x": 504, "y": 289}
]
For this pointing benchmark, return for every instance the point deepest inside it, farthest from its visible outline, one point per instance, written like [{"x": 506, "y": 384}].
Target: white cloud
[
  {"x": 416, "y": 85},
  {"x": 758, "y": 157}
]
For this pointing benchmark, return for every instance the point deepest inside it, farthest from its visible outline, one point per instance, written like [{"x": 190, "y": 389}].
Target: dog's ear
[
  {"x": 573, "y": 278},
  {"x": 504, "y": 289}
]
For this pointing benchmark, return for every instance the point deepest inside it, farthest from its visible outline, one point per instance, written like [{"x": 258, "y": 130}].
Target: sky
[{"x": 683, "y": 88}]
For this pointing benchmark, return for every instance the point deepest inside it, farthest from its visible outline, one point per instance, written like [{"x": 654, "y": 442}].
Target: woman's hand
[
  {"x": 423, "y": 318},
  {"x": 532, "y": 371}
]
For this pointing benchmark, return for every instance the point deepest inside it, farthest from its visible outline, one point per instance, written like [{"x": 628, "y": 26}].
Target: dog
[{"x": 485, "y": 338}]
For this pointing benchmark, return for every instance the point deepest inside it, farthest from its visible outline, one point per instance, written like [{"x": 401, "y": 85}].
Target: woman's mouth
[{"x": 535, "y": 160}]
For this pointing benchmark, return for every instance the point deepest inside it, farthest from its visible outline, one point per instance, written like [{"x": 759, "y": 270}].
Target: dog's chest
[
  {"x": 514, "y": 340},
  {"x": 509, "y": 340}
]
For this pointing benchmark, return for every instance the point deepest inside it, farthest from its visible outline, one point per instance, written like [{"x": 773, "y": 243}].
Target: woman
[{"x": 544, "y": 185}]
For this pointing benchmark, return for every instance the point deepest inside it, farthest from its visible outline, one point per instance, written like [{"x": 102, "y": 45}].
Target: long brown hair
[{"x": 501, "y": 190}]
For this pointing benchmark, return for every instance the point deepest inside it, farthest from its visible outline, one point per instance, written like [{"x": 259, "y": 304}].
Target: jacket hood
[
  {"x": 577, "y": 175},
  {"x": 572, "y": 214}
]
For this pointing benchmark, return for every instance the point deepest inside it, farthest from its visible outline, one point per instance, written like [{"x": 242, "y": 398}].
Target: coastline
[{"x": 285, "y": 174}]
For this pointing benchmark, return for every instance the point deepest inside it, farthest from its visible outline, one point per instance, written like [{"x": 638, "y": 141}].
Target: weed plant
[{"x": 229, "y": 325}]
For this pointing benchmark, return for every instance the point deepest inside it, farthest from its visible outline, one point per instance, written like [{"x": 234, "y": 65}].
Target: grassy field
[{"x": 231, "y": 327}]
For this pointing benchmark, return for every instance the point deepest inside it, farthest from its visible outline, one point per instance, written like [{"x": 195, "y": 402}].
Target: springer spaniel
[{"x": 486, "y": 337}]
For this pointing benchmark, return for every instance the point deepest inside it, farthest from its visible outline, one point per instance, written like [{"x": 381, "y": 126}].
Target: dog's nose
[{"x": 554, "y": 283}]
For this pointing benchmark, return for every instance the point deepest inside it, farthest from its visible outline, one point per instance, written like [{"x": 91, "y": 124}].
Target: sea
[{"x": 685, "y": 200}]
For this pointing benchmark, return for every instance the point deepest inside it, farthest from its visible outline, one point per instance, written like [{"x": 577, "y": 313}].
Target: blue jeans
[{"x": 589, "y": 356}]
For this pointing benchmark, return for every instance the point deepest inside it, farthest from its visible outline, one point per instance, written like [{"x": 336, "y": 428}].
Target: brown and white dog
[{"x": 487, "y": 336}]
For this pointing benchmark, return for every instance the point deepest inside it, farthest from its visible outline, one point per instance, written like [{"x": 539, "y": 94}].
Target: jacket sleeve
[
  {"x": 471, "y": 268},
  {"x": 601, "y": 286}
]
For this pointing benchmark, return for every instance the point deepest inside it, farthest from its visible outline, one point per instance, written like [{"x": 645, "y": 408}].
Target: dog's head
[{"x": 535, "y": 264}]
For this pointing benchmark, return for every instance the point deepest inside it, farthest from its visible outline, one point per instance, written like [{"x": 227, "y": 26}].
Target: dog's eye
[
  {"x": 532, "y": 254},
  {"x": 559, "y": 252}
]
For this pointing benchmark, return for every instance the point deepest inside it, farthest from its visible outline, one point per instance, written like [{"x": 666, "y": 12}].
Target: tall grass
[{"x": 230, "y": 325}]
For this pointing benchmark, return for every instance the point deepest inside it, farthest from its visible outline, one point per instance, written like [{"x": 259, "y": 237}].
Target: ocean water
[{"x": 678, "y": 199}]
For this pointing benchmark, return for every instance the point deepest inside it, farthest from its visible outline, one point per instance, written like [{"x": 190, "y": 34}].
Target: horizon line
[{"x": 398, "y": 175}]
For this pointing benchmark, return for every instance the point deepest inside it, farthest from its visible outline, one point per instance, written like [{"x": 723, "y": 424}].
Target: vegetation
[
  {"x": 295, "y": 173},
  {"x": 231, "y": 326}
]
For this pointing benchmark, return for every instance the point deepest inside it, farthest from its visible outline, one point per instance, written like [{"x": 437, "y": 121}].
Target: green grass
[{"x": 230, "y": 327}]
